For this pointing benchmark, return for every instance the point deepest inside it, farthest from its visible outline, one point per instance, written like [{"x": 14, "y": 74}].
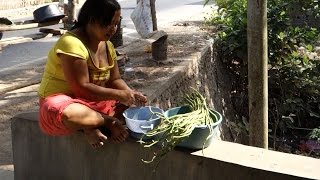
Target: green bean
[{"x": 173, "y": 130}]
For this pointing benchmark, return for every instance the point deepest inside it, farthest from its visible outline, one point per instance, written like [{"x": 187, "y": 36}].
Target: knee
[{"x": 82, "y": 116}]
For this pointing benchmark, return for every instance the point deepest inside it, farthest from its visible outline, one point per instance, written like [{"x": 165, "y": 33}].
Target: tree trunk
[{"x": 258, "y": 73}]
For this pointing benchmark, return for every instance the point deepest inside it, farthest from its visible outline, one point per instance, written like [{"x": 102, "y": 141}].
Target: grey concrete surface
[
  {"x": 39, "y": 157},
  {"x": 6, "y": 172},
  {"x": 25, "y": 54},
  {"x": 6, "y": 175}
]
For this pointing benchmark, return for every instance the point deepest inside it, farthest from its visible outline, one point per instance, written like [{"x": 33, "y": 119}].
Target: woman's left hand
[{"x": 139, "y": 99}]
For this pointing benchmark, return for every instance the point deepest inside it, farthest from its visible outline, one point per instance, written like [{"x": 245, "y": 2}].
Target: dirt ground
[{"x": 184, "y": 38}]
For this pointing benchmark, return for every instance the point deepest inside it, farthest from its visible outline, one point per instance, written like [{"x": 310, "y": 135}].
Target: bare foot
[
  {"x": 118, "y": 132},
  {"x": 120, "y": 108},
  {"x": 122, "y": 120},
  {"x": 95, "y": 137}
]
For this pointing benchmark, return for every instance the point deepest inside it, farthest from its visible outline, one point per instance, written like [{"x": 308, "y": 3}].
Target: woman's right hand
[
  {"x": 127, "y": 97},
  {"x": 131, "y": 97}
]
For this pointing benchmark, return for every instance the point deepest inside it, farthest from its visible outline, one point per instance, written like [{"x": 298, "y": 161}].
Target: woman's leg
[
  {"x": 77, "y": 116},
  {"x": 118, "y": 112}
]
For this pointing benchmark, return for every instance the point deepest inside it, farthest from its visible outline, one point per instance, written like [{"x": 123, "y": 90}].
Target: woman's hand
[
  {"x": 131, "y": 97},
  {"x": 140, "y": 99}
]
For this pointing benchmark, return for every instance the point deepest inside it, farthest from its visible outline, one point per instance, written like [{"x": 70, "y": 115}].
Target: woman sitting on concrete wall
[{"x": 81, "y": 88}]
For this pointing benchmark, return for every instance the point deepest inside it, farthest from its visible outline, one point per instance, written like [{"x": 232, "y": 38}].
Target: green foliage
[
  {"x": 294, "y": 75},
  {"x": 315, "y": 134},
  {"x": 232, "y": 22}
]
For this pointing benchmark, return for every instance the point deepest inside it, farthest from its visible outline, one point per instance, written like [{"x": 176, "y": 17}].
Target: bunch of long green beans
[{"x": 173, "y": 130}]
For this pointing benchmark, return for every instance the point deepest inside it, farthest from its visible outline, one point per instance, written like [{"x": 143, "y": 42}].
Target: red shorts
[{"x": 51, "y": 109}]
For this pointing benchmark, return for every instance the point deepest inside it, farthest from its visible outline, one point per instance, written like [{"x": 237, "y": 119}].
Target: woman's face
[{"x": 103, "y": 32}]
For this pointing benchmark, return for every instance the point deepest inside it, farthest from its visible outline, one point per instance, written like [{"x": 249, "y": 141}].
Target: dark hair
[{"x": 100, "y": 11}]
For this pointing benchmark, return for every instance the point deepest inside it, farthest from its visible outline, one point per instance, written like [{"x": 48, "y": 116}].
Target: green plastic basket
[{"x": 198, "y": 137}]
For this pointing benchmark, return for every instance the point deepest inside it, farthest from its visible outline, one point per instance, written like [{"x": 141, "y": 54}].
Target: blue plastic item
[
  {"x": 140, "y": 120},
  {"x": 199, "y": 135}
]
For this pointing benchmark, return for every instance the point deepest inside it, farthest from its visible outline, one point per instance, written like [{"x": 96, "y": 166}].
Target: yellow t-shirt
[{"x": 53, "y": 80}]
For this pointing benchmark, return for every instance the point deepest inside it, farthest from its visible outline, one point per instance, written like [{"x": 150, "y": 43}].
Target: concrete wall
[{"x": 37, "y": 157}]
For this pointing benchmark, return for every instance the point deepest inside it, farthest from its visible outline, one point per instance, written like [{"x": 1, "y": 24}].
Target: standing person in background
[
  {"x": 69, "y": 9},
  {"x": 81, "y": 88}
]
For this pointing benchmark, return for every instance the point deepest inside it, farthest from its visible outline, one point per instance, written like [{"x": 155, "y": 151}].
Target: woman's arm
[
  {"x": 116, "y": 82},
  {"x": 77, "y": 75}
]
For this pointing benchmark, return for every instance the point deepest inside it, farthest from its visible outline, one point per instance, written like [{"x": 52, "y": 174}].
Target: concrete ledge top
[
  {"x": 27, "y": 115},
  {"x": 259, "y": 158}
]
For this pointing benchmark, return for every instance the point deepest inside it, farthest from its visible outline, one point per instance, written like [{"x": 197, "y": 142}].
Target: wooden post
[
  {"x": 153, "y": 14},
  {"x": 258, "y": 73}
]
